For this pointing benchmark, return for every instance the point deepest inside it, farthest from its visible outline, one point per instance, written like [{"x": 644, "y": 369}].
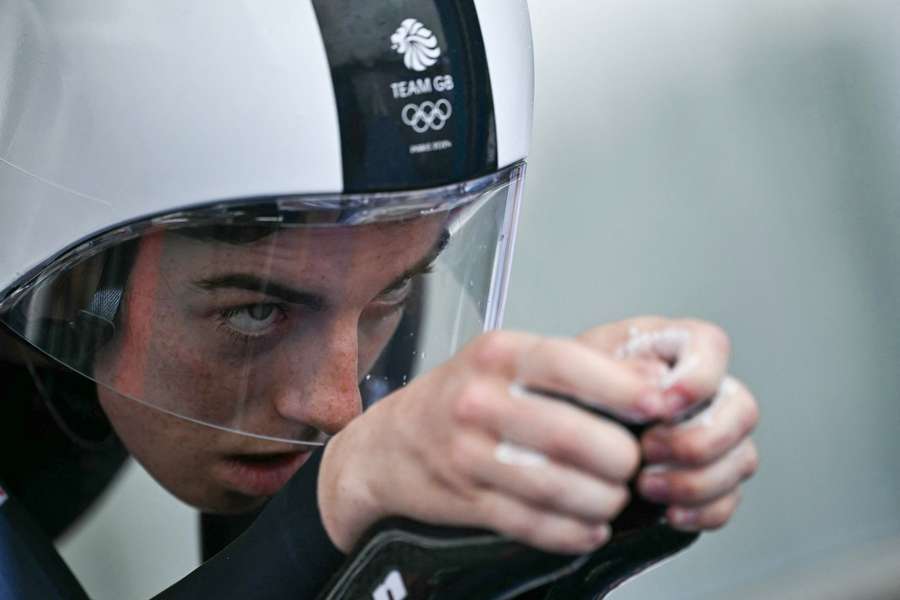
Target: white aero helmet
[{"x": 236, "y": 212}]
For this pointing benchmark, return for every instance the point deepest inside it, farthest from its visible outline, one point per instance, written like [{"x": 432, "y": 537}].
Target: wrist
[{"x": 346, "y": 499}]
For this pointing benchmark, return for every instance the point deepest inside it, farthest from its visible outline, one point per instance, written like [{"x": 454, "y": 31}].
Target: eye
[
  {"x": 396, "y": 294},
  {"x": 252, "y": 319}
]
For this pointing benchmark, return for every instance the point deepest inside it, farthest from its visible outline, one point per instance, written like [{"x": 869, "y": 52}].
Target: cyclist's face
[{"x": 270, "y": 337}]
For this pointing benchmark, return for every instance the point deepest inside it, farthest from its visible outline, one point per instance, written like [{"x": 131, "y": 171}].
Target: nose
[{"x": 320, "y": 388}]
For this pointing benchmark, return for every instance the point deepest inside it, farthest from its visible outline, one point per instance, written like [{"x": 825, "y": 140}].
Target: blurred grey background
[{"x": 735, "y": 161}]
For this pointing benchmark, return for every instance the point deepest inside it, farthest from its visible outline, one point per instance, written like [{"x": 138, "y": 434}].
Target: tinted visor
[{"x": 279, "y": 317}]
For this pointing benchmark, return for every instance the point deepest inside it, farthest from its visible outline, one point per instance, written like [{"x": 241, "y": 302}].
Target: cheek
[
  {"x": 178, "y": 454},
  {"x": 160, "y": 442},
  {"x": 188, "y": 382},
  {"x": 173, "y": 371},
  {"x": 374, "y": 334}
]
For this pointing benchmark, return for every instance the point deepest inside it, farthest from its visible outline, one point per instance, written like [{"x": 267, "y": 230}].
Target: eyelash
[
  {"x": 225, "y": 314},
  {"x": 408, "y": 281}
]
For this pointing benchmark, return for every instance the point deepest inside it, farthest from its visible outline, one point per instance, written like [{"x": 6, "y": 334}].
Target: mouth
[{"x": 260, "y": 474}]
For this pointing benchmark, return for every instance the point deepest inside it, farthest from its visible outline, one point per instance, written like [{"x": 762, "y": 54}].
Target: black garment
[
  {"x": 217, "y": 531},
  {"x": 53, "y": 474},
  {"x": 286, "y": 553},
  {"x": 56, "y": 465}
]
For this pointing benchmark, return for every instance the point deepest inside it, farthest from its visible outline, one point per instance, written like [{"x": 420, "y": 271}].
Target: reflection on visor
[{"x": 276, "y": 319}]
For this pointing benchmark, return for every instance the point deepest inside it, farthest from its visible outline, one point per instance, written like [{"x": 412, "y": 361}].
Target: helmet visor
[{"x": 277, "y": 317}]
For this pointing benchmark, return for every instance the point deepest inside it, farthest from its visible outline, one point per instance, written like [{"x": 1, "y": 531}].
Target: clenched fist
[{"x": 472, "y": 444}]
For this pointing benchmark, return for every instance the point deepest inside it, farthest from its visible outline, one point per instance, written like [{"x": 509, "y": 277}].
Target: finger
[
  {"x": 543, "y": 484},
  {"x": 709, "y": 516},
  {"x": 537, "y": 527},
  {"x": 499, "y": 352},
  {"x": 565, "y": 433},
  {"x": 699, "y": 361},
  {"x": 707, "y": 436},
  {"x": 570, "y": 368},
  {"x": 612, "y": 337},
  {"x": 693, "y": 487},
  {"x": 696, "y": 352}
]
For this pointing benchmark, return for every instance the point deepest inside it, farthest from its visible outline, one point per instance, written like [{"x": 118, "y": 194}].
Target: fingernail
[
  {"x": 684, "y": 516},
  {"x": 656, "y": 488},
  {"x": 656, "y": 451}
]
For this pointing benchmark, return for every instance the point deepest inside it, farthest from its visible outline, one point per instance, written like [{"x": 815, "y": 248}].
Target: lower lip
[{"x": 261, "y": 478}]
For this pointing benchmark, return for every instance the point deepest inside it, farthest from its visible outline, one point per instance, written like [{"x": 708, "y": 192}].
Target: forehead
[{"x": 299, "y": 251}]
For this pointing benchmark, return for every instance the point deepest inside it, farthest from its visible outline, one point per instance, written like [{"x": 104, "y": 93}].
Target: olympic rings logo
[{"x": 428, "y": 115}]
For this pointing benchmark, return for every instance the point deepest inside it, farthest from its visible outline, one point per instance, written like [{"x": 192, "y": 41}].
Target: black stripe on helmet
[{"x": 412, "y": 89}]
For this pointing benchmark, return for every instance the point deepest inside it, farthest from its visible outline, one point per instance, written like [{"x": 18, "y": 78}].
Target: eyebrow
[
  {"x": 423, "y": 264},
  {"x": 311, "y": 300},
  {"x": 253, "y": 283}
]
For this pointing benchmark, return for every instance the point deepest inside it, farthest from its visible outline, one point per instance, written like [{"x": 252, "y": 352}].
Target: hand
[
  {"x": 448, "y": 448},
  {"x": 696, "y": 467},
  {"x": 430, "y": 451}
]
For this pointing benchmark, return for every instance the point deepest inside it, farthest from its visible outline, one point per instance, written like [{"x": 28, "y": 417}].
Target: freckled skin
[{"x": 175, "y": 352}]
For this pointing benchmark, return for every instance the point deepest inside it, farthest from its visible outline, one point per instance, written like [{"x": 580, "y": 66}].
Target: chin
[
  {"x": 225, "y": 502},
  {"x": 213, "y": 499}
]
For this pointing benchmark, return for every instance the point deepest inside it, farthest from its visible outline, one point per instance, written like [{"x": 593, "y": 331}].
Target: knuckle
[
  {"x": 524, "y": 527},
  {"x": 582, "y": 541},
  {"x": 471, "y": 402},
  {"x": 558, "y": 443},
  {"x": 491, "y": 350},
  {"x": 589, "y": 336},
  {"x": 647, "y": 321},
  {"x": 714, "y": 521},
  {"x": 544, "y": 491},
  {"x": 623, "y": 457},
  {"x": 686, "y": 488},
  {"x": 507, "y": 517},
  {"x": 691, "y": 449},
  {"x": 618, "y": 501},
  {"x": 752, "y": 414},
  {"x": 712, "y": 333},
  {"x": 491, "y": 514},
  {"x": 553, "y": 357},
  {"x": 752, "y": 461},
  {"x": 558, "y": 535},
  {"x": 630, "y": 459},
  {"x": 715, "y": 444},
  {"x": 717, "y": 516},
  {"x": 718, "y": 337}
]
